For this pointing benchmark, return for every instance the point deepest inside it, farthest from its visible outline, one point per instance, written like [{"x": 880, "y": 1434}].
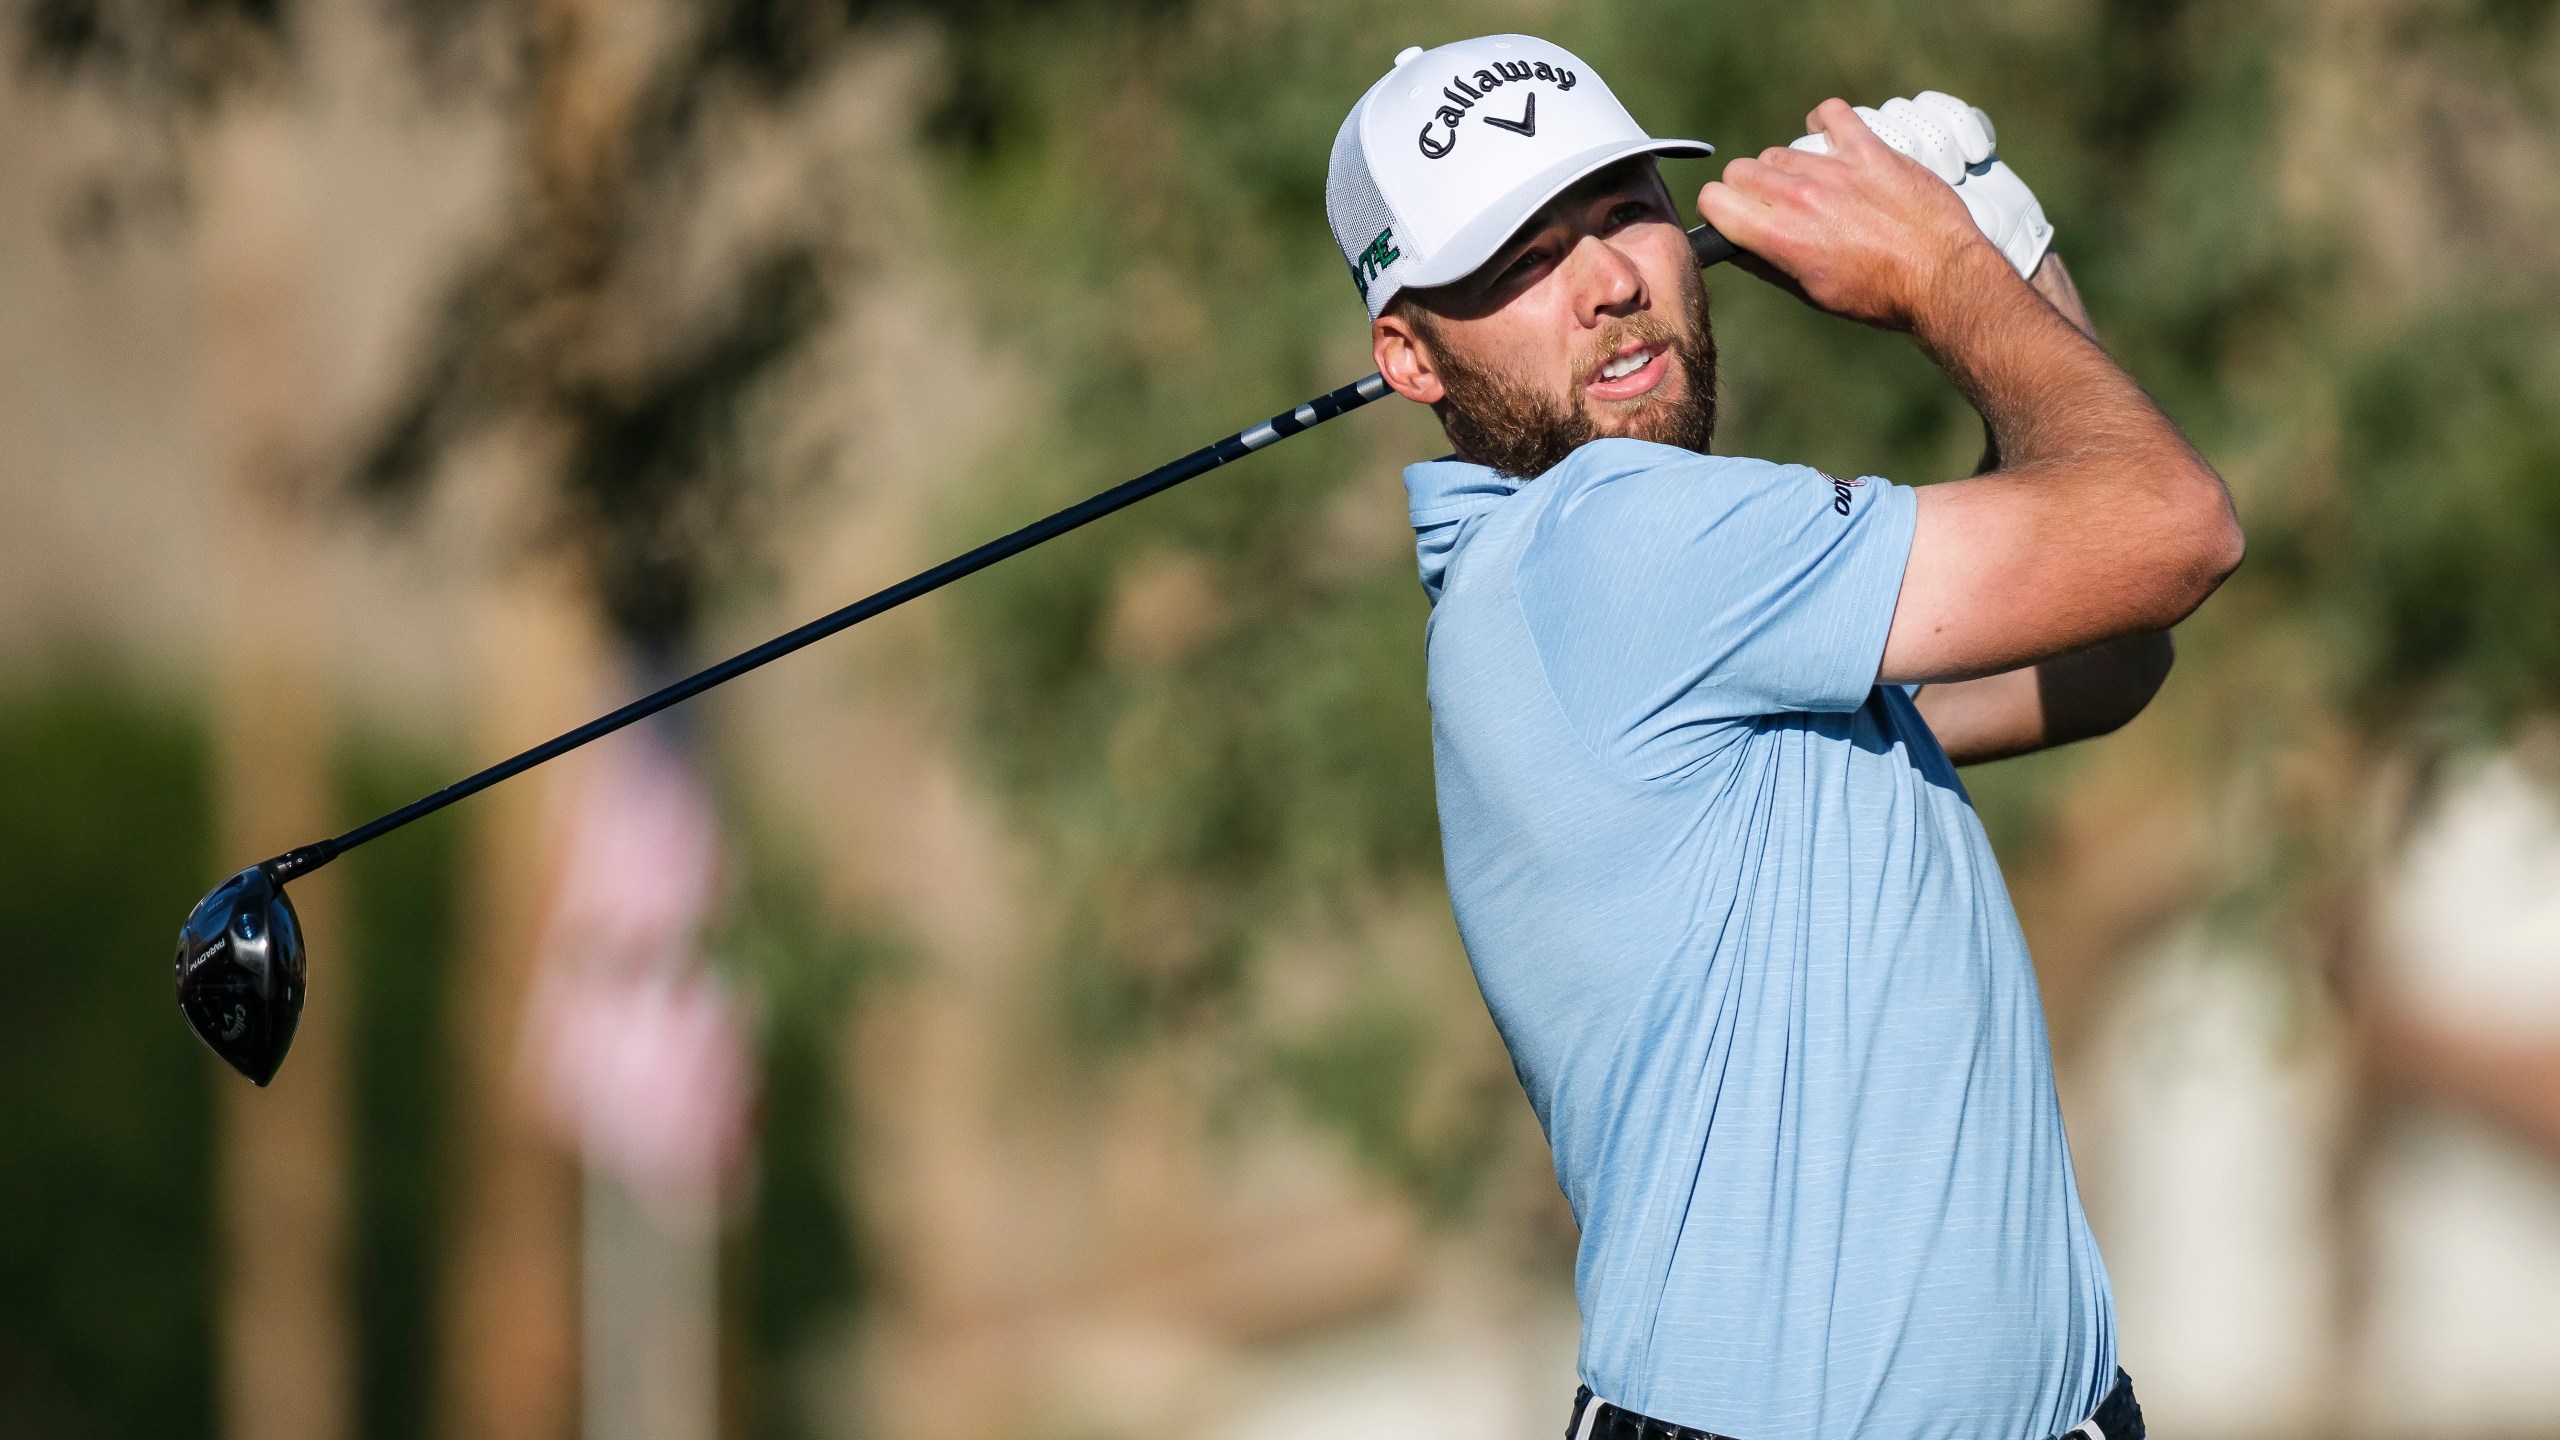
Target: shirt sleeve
[{"x": 1669, "y": 599}]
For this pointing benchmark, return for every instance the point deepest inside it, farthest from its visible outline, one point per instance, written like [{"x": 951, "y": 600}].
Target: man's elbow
[
  {"x": 2209, "y": 546},
  {"x": 2225, "y": 543}
]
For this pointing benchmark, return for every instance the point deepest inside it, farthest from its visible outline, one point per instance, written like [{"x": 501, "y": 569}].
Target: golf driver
[{"x": 240, "y": 966}]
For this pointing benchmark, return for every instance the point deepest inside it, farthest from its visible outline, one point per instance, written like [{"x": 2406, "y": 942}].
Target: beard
[{"x": 1512, "y": 427}]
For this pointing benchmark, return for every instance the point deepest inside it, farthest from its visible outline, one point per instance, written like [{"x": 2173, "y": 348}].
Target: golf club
[{"x": 240, "y": 964}]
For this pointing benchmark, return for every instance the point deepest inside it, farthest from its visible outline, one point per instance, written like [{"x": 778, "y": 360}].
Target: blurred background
[{"x": 1037, "y": 1014}]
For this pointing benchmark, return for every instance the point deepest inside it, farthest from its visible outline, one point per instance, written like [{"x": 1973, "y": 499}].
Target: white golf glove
[{"x": 1957, "y": 143}]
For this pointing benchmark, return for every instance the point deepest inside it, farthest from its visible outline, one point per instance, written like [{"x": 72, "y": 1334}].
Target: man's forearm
[
  {"x": 2100, "y": 522},
  {"x": 2046, "y": 391},
  {"x": 2079, "y": 696},
  {"x": 2072, "y": 697},
  {"x": 2053, "y": 281}
]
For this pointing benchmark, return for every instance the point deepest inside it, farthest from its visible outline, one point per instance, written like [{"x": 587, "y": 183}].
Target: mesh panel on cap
[{"x": 1358, "y": 213}]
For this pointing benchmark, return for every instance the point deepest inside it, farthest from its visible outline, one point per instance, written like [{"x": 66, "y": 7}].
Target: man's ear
[{"x": 1405, "y": 359}]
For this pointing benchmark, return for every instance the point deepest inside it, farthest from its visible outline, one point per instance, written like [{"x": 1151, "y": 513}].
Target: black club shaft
[{"x": 1709, "y": 248}]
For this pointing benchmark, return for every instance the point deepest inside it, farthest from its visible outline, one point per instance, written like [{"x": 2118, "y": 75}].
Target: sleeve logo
[{"x": 1840, "y": 491}]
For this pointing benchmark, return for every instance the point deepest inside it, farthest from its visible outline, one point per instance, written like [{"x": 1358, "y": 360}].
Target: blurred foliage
[
  {"x": 104, "y": 1105},
  {"x": 105, "y": 1200},
  {"x": 168, "y": 55},
  {"x": 2452, "y": 450},
  {"x": 402, "y": 897},
  {"x": 600, "y": 317},
  {"x": 105, "y": 1117},
  {"x": 163, "y": 66},
  {"x": 1210, "y": 710},
  {"x": 795, "y": 1272},
  {"x": 792, "y": 1268},
  {"x": 658, "y": 469}
]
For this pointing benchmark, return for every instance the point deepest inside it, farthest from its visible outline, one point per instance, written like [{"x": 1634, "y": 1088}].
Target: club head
[{"x": 240, "y": 972}]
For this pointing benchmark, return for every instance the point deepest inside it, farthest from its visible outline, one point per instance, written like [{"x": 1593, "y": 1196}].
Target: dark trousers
[{"x": 2119, "y": 1417}]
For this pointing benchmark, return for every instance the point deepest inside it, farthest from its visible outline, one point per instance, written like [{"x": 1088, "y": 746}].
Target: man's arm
[
  {"x": 2101, "y": 522},
  {"x": 2071, "y": 697},
  {"x": 2079, "y": 696}
]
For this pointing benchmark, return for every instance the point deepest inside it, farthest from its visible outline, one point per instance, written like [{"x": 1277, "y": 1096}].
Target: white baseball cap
[{"x": 1449, "y": 155}]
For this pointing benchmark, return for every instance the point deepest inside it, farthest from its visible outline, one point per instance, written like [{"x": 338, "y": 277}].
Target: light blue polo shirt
[{"x": 1746, "y": 940}]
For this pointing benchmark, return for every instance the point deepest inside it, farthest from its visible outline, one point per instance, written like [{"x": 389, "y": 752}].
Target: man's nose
[{"x": 1606, "y": 281}]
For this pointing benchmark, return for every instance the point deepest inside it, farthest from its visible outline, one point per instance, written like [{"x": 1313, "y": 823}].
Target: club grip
[{"x": 1710, "y": 247}]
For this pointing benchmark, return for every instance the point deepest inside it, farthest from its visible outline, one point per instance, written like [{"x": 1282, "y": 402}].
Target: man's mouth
[{"x": 1633, "y": 371}]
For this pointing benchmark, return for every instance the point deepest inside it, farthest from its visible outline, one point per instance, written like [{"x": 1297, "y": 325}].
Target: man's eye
[
  {"x": 1628, "y": 213},
  {"x": 1529, "y": 260}
]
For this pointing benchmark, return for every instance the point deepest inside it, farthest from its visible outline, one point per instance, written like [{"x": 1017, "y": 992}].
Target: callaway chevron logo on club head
[{"x": 240, "y": 973}]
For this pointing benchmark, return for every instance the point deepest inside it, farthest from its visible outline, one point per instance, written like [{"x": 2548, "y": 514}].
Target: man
[{"x": 1695, "y": 726}]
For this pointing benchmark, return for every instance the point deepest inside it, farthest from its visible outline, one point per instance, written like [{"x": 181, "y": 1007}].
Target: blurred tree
[
  {"x": 1211, "y": 711},
  {"x": 617, "y": 338},
  {"x": 287, "y": 1325},
  {"x": 602, "y": 319},
  {"x": 404, "y": 913},
  {"x": 210, "y": 86},
  {"x": 618, "y": 331},
  {"x": 105, "y": 1116},
  {"x": 2309, "y": 229},
  {"x": 797, "y": 1269}
]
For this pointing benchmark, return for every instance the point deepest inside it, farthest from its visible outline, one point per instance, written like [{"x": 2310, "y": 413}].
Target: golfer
[{"x": 1696, "y": 722}]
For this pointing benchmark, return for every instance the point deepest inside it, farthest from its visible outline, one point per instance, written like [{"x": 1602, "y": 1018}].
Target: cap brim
[{"x": 1489, "y": 231}]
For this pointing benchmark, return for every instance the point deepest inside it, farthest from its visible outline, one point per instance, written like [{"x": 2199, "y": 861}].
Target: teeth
[{"x": 1626, "y": 365}]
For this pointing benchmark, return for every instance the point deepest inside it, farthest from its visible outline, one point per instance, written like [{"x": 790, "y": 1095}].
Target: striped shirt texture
[{"x": 1741, "y": 929}]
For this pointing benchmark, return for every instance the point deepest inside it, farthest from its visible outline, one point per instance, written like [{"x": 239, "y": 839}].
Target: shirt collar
[
  {"x": 1444, "y": 494},
  {"x": 1440, "y": 491}
]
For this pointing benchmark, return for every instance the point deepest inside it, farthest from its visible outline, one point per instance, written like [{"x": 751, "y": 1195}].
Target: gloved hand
[{"x": 1956, "y": 142}]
